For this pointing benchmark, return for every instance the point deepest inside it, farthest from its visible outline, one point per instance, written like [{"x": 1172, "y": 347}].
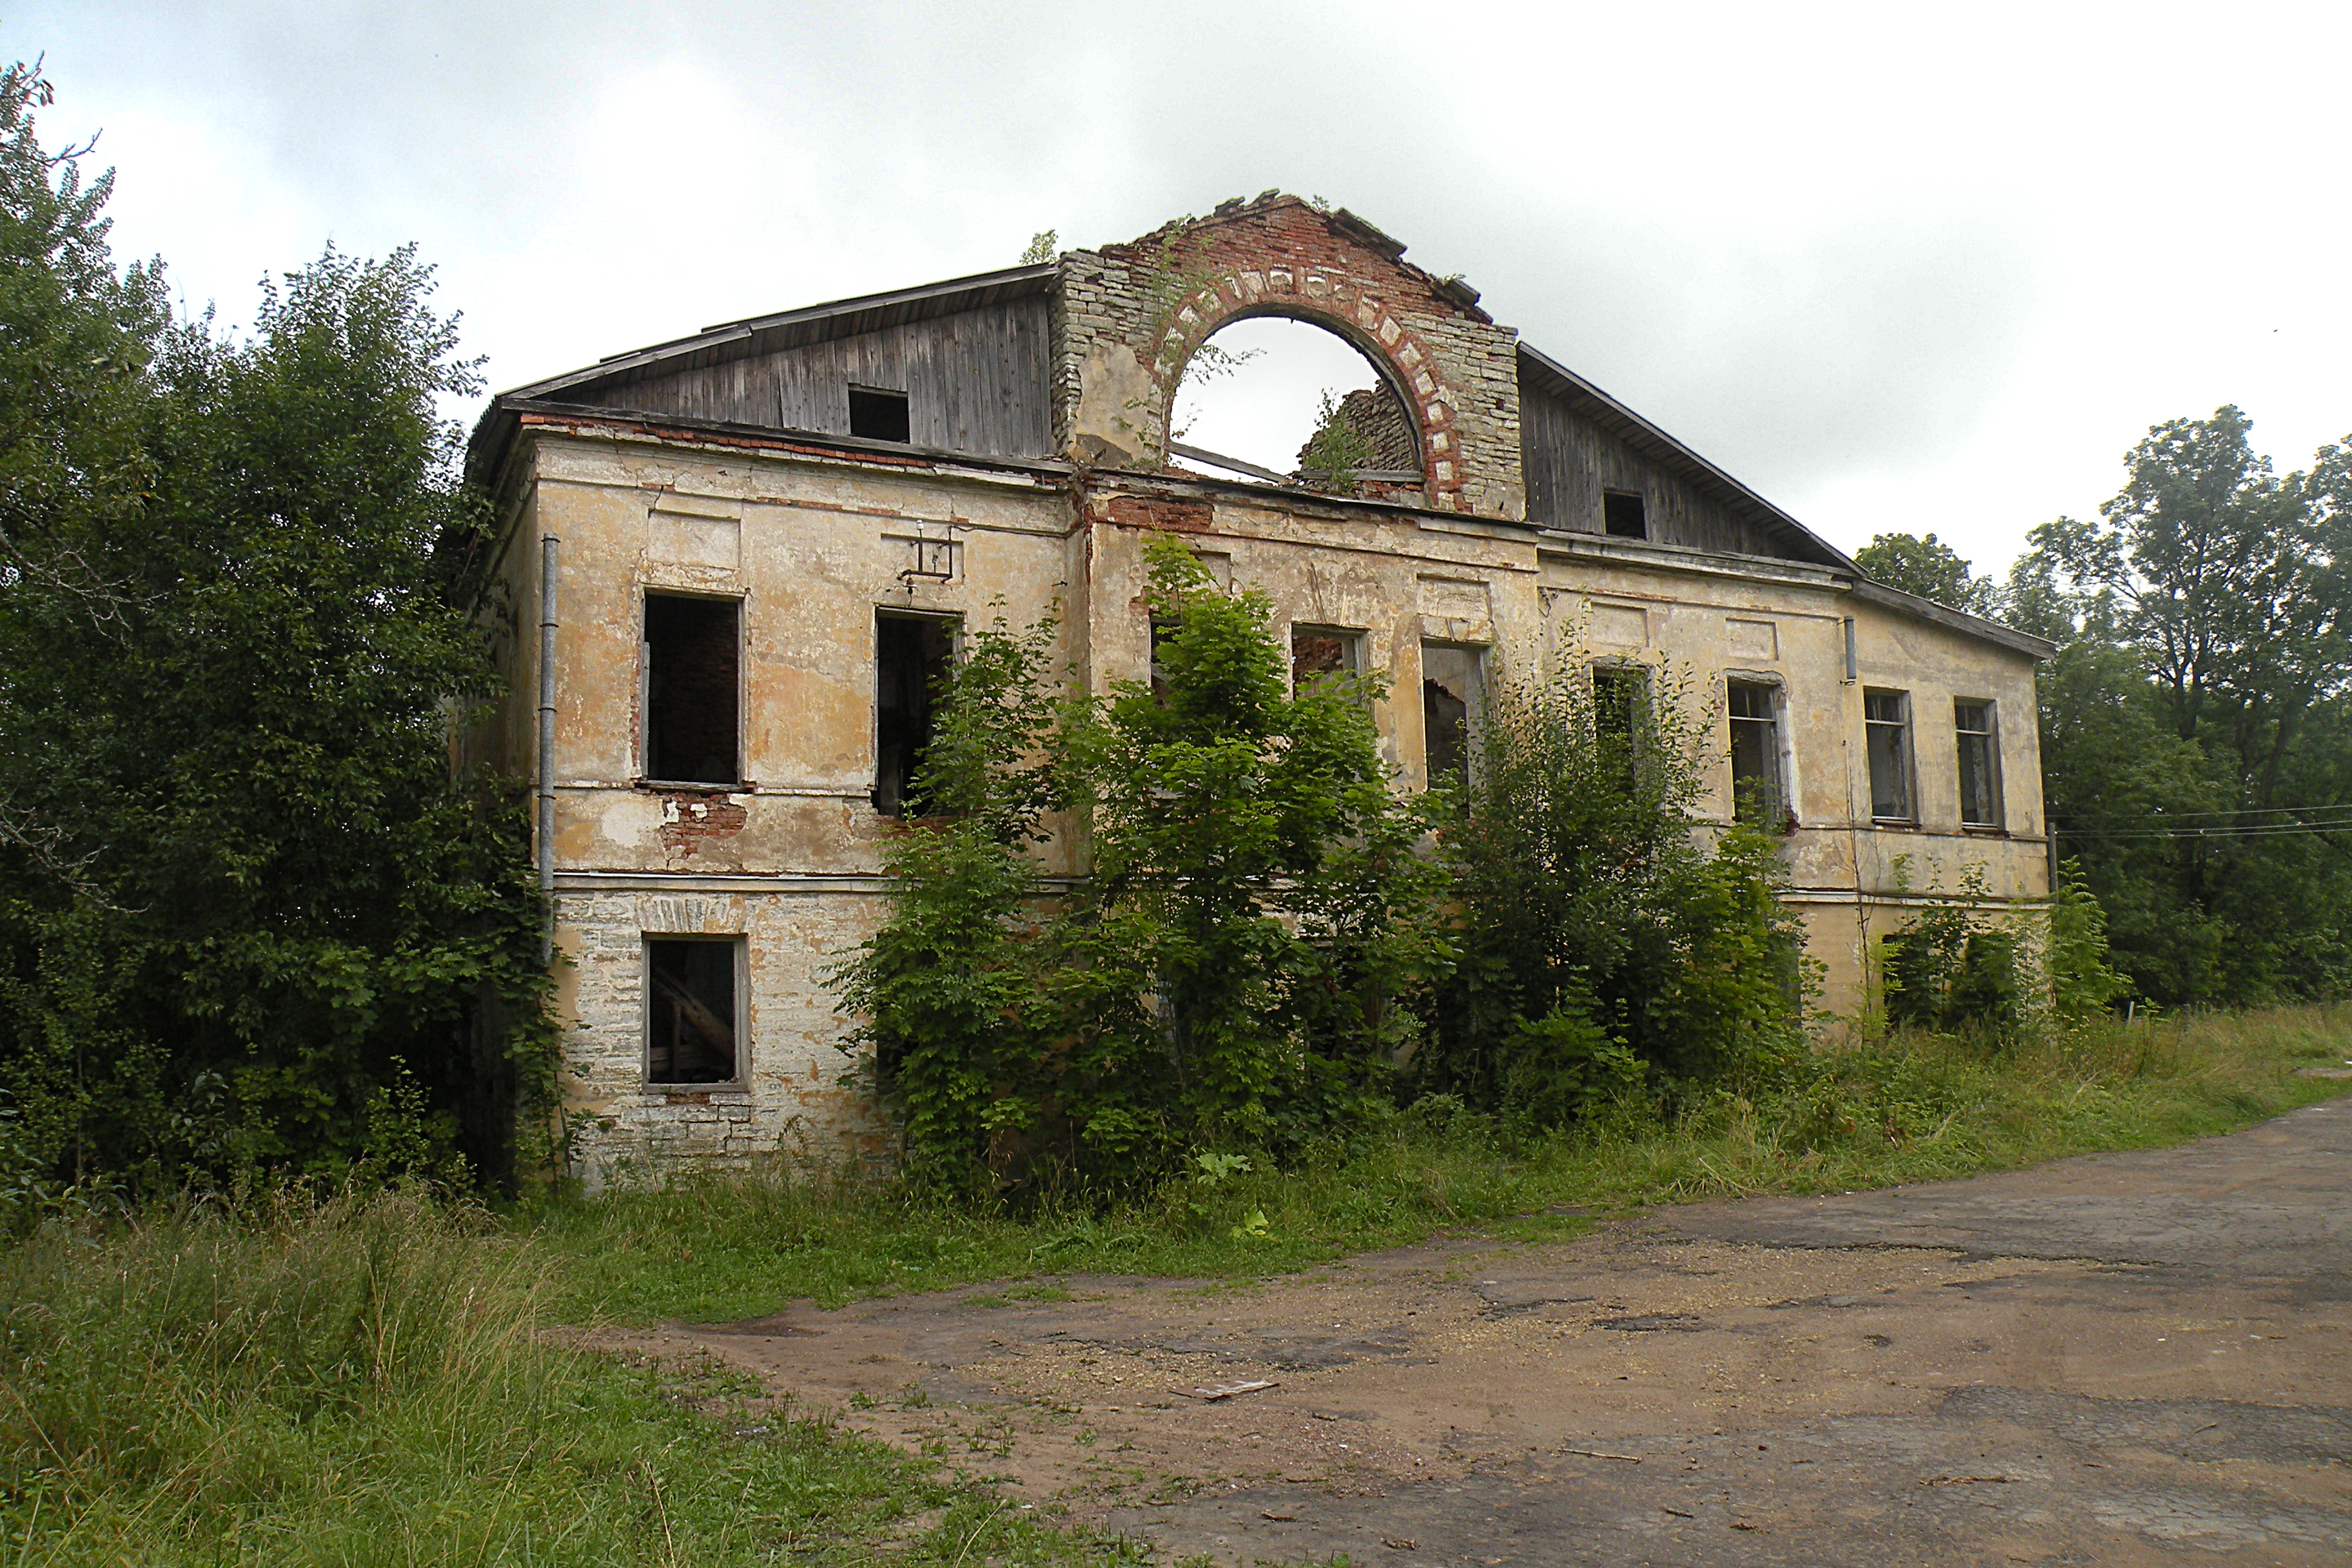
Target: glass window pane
[
  {"x": 1888, "y": 731},
  {"x": 1757, "y": 795},
  {"x": 1979, "y": 764}
]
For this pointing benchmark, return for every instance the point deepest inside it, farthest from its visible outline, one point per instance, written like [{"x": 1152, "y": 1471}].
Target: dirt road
[{"x": 2121, "y": 1359}]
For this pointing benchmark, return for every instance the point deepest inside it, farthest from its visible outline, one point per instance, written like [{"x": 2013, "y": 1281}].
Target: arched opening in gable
[{"x": 1283, "y": 400}]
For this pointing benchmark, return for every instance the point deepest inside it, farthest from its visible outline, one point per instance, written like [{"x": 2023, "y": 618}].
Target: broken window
[
  {"x": 1624, "y": 514},
  {"x": 912, "y": 658},
  {"x": 878, "y": 415},
  {"x": 1980, "y": 763},
  {"x": 1452, "y": 698},
  {"x": 1887, "y": 734},
  {"x": 1289, "y": 402},
  {"x": 690, "y": 1010},
  {"x": 1757, "y": 790},
  {"x": 1618, "y": 693},
  {"x": 691, "y": 690},
  {"x": 1323, "y": 650}
]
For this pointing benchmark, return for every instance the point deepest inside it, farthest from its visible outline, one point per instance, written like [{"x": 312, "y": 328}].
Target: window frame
[
  {"x": 953, "y": 622},
  {"x": 1640, "y": 506},
  {"x": 647, "y": 592},
  {"x": 1907, "y": 760},
  {"x": 1783, "y": 770},
  {"x": 856, "y": 389},
  {"x": 1474, "y": 710},
  {"x": 740, "y": 985},
  {"x": 1990, "y": 736},
  {"x": 1351, "y": 638}
]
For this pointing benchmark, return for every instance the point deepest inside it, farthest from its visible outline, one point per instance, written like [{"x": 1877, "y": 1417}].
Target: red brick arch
[{"x": 1341, "y": 302}]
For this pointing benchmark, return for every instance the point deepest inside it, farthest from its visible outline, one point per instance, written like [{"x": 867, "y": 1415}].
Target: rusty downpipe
[{"x": 545, "y": 846}]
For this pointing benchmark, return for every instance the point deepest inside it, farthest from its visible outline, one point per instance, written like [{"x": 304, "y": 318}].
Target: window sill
[
  {"x": 691, "y": 787},
  {"x": 1895, "y": 824},
  {"x": 693, "y": 1093},
  {"x": 1984, "y": 830}
]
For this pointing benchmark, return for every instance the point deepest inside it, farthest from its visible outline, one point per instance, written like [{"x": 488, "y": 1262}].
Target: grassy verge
[
  {"x": 371, "y": 1382},
  {"x": 374, "y": 1380},
  {"x": 1913, "y": 1110}
]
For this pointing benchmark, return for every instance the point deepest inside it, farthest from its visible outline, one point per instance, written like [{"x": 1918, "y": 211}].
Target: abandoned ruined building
[{"x": 733, "y": 562}]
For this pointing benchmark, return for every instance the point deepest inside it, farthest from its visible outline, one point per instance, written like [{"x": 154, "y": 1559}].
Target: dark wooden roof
[{"x": 1588, "y": 402}]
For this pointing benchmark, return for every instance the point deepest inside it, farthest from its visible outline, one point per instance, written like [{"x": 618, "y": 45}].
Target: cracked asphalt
[{"x": 2119, "y": 1359}]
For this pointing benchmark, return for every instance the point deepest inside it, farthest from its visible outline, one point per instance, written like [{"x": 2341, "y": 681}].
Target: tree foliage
[
  {"x": 244, "y": 903},
  {"x": 1929, "y": 568},
  {"x": 2196, "y": 741},
  {"x": 1603, "y": 942}
]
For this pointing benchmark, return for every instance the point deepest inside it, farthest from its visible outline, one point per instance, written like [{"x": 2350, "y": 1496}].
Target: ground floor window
[{"x": 690, "y": 1012}]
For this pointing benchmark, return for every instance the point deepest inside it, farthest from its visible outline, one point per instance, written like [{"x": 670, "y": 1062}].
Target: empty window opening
[
  {"x": 879, "y": 416},
  {"x": 1316, "y": 651},
  {"x": 1453, "y": 701},
  {"x": 1619, "y": 694},
  {"x": 1887, "y": 729},
  {"x": 691, "y": 690},
  {"x": 1287, "y": 402},
  {"x": 1757, "y": 793},
  {"x": 1980, "y": 763},
  {"x": 913, "y": 655},
  {"x": 690, "y": 1010},
  {"x": 1624, "y": 515}
]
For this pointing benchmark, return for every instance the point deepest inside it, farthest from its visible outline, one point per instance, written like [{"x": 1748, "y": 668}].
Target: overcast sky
[{"x": 1896, "y": 268}]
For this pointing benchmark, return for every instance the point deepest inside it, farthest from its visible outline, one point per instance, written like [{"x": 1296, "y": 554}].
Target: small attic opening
[
  {"x": 1624, "y": 515},
  {"x": 879, "y": 414},
  {"x": 1285, "y": 401}
]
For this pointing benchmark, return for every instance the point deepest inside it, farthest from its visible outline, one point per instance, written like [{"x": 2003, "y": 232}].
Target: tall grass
[
  {"x": 369, "y": 1380},
  {"x": 374, "y": 1379},
  {"x": 1909, "y": 1107}
]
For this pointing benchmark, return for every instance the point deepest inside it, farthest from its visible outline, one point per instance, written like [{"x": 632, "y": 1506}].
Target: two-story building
[{"x": 736, "y": 559}]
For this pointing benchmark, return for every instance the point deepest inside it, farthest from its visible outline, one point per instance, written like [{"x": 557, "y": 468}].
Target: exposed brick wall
[{"x": 1160, "y": 297}]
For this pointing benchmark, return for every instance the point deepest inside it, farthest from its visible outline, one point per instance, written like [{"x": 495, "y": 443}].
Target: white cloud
[{"x": 1895, "y": 267}]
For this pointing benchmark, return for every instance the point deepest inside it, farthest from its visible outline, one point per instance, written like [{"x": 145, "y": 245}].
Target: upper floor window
[
  {"x": 1453, "y": 699},
  {"x": 1757, "y": 792},
  {"x": 912, "y": 658},
  {"x": 1973, "y": 720},
  {"x": 1618, "y": 693},
  {"x": 691, "y": 653},
  {"x": 1886, "y": 731},
  {"x": 1323, "y": 650}
]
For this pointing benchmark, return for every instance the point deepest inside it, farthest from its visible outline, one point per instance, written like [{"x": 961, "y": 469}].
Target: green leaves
[{"x": 240, "y": 884}]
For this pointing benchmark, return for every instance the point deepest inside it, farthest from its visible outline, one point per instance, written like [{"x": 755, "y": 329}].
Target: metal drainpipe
[{"x": 546, "y": 846}]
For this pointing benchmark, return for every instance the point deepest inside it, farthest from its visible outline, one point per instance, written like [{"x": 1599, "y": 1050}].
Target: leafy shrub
[{"x": 1595, "y": 929}]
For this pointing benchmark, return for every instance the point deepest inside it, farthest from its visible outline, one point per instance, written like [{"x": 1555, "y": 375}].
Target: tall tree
[
  {"x": 1929, "y": 568},
  {"x": 244, "y": 898},
  {"x": 2196, "y": 713}
]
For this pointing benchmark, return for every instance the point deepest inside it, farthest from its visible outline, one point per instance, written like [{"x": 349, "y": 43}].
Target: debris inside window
[
  {"x": 1323, "y": 650},
  {"x": 1757, "y": 795},
  {"x": 1980, "y": 763},
  {"x": 879, "y": 416},
  {"x": 1452, "y": 698},
  {"x": 690, "y": 1010},
  {"x": 913, "y": 655},
  {"x": 691, "y": 690},
  {"x": 1623, "y": 515}
]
